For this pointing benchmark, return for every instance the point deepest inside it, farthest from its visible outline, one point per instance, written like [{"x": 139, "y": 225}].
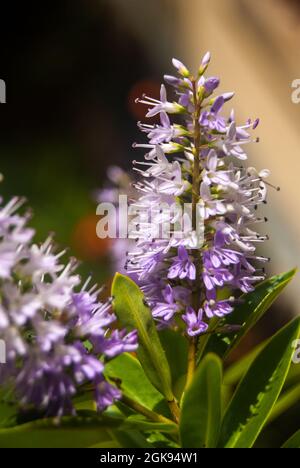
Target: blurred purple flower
[{"x": 57, "y": 338}]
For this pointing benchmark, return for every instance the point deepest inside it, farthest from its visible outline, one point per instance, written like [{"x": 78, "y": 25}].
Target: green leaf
[
  {"x": 248, "y": 313},
  {"x": 7, "y": 414},
  {"x": 288, "y": 399},
  {"x": 201, "y": 407},
  {"x": 70, "y": 432},
  {"x": 142, "y": 424},
  {"x": 8, "y": 407},
  {"x": 176, "y": 349},
  {"x": 135, "y": 384},
  {"x": 257, "y": 393},
  {"x": 294, "y": 375},
  {"x": 133, "y": 313},
  {"x": 238, "y": 369},
  {"x": 107, "y": 444},
  {"x": 293, "y": 442},
  {"x": 159, "y": 440},
  {"x": 130, "y": 439}
]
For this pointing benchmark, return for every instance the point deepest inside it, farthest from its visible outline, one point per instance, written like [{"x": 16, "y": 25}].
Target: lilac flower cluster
[
  {"x": 57, "y": 334},
  {"x": 186, "y": 285}
]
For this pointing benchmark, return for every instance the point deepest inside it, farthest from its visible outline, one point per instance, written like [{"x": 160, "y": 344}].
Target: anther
[{"x": 273, "y": 186}]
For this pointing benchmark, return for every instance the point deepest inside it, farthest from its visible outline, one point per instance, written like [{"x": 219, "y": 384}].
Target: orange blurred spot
[{"x": 85, "y": 241}]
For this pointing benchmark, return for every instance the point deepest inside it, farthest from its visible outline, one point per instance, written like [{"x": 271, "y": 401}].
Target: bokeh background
[{"x": 73, "y": 69}]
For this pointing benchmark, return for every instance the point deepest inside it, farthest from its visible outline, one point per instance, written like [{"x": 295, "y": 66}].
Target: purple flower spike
[{"x": 173, "y": 271}]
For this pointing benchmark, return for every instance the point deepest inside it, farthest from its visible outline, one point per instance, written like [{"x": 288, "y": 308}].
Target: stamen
[{"x": 272, "y": 186}]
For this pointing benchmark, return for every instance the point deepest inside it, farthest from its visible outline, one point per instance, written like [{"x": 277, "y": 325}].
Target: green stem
[
  {"x": 175, "y": 410},
  {"x": 191, "y": 361},
  {"x": 149, "y": 414},
  {"x": 197, "y": 148},
  {"x": 195, "y": 200},
  {"x": 173, "y": 405}
]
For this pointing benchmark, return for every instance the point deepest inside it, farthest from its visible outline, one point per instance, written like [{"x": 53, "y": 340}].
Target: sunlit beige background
[{"x": 256, "y": 50}]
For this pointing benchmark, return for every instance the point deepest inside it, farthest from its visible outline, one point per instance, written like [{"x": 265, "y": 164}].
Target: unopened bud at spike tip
[
  {"x": 181, "y": 68},
  {"x": 204, "y": 64}
]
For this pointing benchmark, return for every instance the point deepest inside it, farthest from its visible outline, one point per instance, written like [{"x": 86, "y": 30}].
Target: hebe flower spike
[{"x": 183, "y": 284}]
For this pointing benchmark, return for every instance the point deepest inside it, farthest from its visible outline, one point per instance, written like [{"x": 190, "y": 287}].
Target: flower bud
[
  {"x": 181, "y": 68},
  {"x": 204, "y": 64},
  {"x": 210, "y": 85}
]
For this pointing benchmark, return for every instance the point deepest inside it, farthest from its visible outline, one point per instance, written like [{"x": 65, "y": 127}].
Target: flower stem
[
  {"x": 191, "y": 361},
  {"x": 197, "y": 147},
  {"x": 195, "y": 200},
  {"x": 155, "y": 417},
  {"x": 175, "y": 410}
]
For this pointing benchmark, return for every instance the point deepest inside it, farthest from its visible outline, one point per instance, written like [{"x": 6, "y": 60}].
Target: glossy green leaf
[
  {"x": 130, "y": 439},
  {"x": 159, "y": 440},
  {"x": 135, "y": 383},
  {"x": 238, "y": 369},
  {"x": 7, "y": 407},
  {"x": 142, "y": 424},
  {"x": 70, "y": 432},
  {"x": 294, "y": 375},
  {"x": 7, "y": 413},
  {"x": 286, "y": 401},
  {"x": 176, "y": 349},
  {"x": 133, "y": 313},
  {"x": 107, "y": 444},
  {"x": 248, "y": 313},
  {"x": 257, "y": 393},
  {"x": 201, "y": 407},
  {"x": 293, "y": 442}
]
